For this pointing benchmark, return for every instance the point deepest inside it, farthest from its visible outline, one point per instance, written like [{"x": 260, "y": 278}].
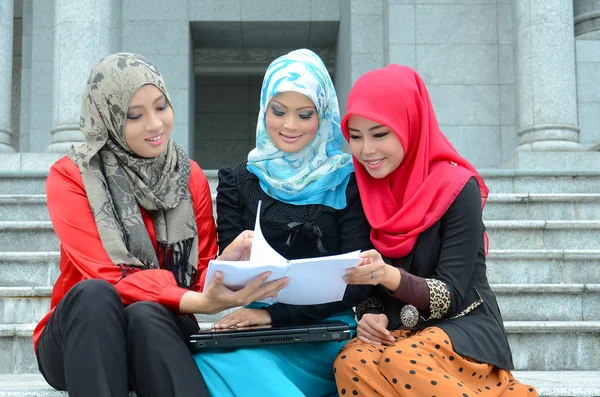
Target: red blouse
[{"x": 82, "y": 255}]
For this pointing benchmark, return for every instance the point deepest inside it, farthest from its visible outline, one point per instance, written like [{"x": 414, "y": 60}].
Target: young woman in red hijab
[{"x": 433, "y": 328}]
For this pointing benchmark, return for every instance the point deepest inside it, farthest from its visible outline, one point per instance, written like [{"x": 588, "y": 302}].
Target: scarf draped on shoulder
[
  {"x": 319, "y": 173},
  {"x": 417, "y": 194},
  {"x": 118, "y": 182}
]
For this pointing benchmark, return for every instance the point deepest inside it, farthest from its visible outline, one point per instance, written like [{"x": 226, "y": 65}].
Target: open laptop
[{"x": 261, "y": 335}]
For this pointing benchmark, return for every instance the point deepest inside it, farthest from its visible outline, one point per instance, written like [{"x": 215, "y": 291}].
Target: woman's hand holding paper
[
  {"x": 373, "y": 270},
  {"x": 216, "y": 297}
]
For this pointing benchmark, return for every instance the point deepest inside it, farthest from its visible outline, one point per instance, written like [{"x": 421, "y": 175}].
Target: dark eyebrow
[
  {"x": 370, "y": 129},
  {"x": 153, "y": 102},
  {"x": 303, "y": 107}
]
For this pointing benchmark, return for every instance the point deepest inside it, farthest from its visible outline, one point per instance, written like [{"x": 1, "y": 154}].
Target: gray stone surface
[
  {"x": 23, "y": 235},
  {"x": 459, "y": 65},
  {"x": 541, "y": 180},
  {"x": 208, "y": 10},
  {"x": 28, "y": 269},
  {"x": 31, "y": 183},
  {"x": 367, "y": 7},
  {"x": 157, "y": 10},
  {"x": 547, "y": 383},
  {"x": 554, "y": 345},
  {"x": 552, "y": 234},
  {"x": 546, "y": 94},
  {"x": 484, "y": 143},
  {"x": 401, "y": 24},
  {"x": 521, "y": 267},
  {"x": 456, "y": 24},
  {"x": 467, "y": 105},
  {"x": 325, "y": 10},
  {"x": 284, "y": 10},
  {"x": 17, "y": 207},
  {"x": 367, "y": 43},
  {"x": 403, "y": 54},
  {"x": 6, "y": 75},
  {"x": 73, "y": 61},
  {"x": 557, "y": 206},
  {"x": 559, "y": 160},
  {"x": 547, "y": 302}
]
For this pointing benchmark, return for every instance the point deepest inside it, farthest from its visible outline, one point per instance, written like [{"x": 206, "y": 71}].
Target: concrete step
[
  {"x": 536, "y": 346},
  {"x": 516, "y": 235},
  {"x": 547, "y": 384},
  {"x": 28, "y": 269},
  {"x": 498, "y": 180},
  {"x": 516, "y": 181},
  {"x": 525, "y": 302},
  {"x": 23, "y": 207},
  {"x": 548, "y": 302},
  {"x": 554, "y": 345},
  {"x": 25, "y": 305},
  {"x": 512, "y": 206},
  {"x": 553, "y": 234},
  {"x": 543, "y": 266},
  {"x": 27, "y": 236},
  {"x": 32, "y": 207},
  {"x": 33, "y": 269},
  {"x": 552, "y": 206},
  {"x": 541, "y": 181},
  {"x": 23, "y": 182}
]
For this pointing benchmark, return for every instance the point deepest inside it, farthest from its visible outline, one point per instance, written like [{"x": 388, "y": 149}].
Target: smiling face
[
  {"x": 375, "y": 146},
  {"x": 292, "y": 121},
  {"x": 149, "y": 122}
]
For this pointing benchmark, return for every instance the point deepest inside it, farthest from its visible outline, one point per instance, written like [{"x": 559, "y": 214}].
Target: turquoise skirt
[{"x": 294, "y": 370}]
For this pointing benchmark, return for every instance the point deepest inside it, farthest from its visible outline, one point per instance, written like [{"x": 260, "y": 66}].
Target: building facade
[{"x": 515, "y": 83}]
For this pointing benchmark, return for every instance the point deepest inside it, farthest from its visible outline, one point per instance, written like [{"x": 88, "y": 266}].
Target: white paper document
[{"x": 311, "y": 280}]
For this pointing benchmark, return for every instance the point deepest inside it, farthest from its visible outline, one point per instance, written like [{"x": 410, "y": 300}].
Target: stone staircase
[{"x": 544, "y": 266}]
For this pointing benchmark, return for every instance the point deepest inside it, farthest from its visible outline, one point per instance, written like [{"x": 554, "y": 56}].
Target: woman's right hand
[
  {"x": 216, "y": 297},
  {"x": 372, "y": 328}
]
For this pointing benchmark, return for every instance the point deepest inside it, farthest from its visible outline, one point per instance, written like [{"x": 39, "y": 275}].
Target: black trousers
[{"x": 93, "y": 346}]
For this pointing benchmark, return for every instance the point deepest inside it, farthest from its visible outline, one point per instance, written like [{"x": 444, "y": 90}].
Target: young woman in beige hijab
[{"x": 133, "y": 215}]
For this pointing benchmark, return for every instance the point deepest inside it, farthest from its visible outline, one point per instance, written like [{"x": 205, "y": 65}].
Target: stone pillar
[
  {"x": 545, "y": 75},
  {"x": 81, "y": 39},
  {"x": 6, "y": 75}
]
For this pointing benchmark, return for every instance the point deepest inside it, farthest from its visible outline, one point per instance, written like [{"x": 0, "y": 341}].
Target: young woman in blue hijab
[{"x": 310, "y": 207}]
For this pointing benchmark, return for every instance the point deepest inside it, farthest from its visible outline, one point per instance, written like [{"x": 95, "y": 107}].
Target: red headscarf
[{"x": 418, "y": 193}]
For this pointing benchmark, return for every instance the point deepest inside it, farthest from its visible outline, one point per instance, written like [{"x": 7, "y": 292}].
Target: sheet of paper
[
  {"x": 261, "y": 250},
  {"x": 236, "y": 274},
  {"x": 317, "y": 280}
]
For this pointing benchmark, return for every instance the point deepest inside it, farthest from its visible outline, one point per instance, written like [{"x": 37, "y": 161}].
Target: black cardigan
[
  {"x": 452, "y": 251},
  {"x": 344, "y": 230}
]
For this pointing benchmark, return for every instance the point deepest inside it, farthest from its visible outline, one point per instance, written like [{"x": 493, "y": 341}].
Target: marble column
[
  {"x": 6, "y": 75},
  {"x": 81, "y": 39},
  {"x": 545, "y": 75}
]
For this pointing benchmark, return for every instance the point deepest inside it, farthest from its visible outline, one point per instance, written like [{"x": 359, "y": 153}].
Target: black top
[
  {"x": 294, "y": 231},
  {"x": 452, "y": 251}
]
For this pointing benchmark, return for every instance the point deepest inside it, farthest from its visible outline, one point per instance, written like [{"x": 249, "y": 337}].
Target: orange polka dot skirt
[{"x": 420, "y": 363}]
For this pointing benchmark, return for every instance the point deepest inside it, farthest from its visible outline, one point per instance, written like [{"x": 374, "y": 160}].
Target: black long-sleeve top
[
  {"x": 452, "y": 251},
  {"x": 294, "y": 231}
]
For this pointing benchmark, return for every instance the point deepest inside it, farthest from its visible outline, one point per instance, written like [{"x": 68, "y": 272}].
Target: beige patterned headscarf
[{"x": 118, "y": 182}]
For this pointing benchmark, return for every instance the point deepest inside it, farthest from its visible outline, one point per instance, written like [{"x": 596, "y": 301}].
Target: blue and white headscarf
[{"x": 319, "y": 173}]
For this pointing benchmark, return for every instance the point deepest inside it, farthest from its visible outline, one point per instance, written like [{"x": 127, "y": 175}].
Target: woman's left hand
[
  {"x": 243, "y": 318},
  {"x": 373, "y": 270}
]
